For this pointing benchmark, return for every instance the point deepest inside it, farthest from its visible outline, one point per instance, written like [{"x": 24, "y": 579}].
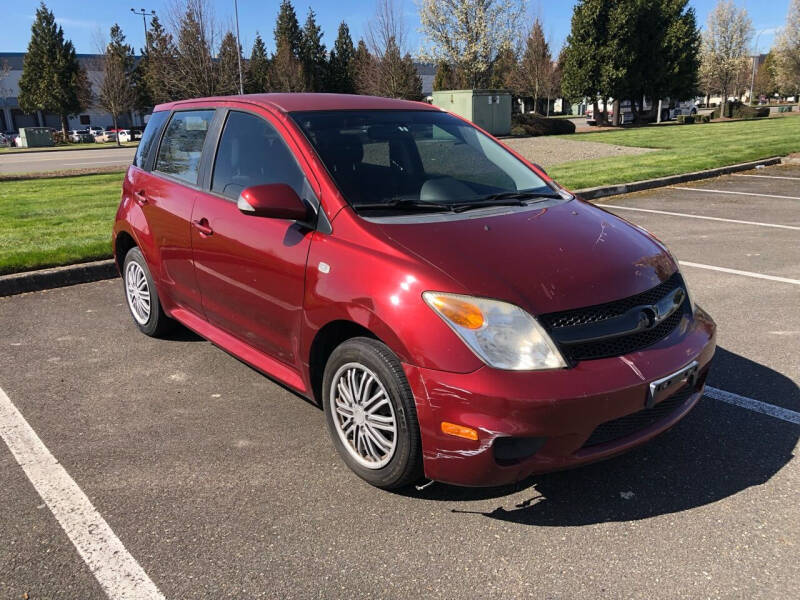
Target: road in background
[
  {"x": 66, "y": 160},
  {"x": 221, "y": 483}
]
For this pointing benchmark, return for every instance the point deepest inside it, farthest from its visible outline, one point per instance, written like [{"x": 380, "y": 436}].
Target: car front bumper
[{"x": 554, "y": 413}]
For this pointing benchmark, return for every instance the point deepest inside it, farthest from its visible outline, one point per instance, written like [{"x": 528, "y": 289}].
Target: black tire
[
  {"x": 405, "y": 466},
  {"x": 158, "y": 323}
]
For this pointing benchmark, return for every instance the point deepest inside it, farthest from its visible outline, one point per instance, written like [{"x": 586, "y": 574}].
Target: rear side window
[
  {"x": 252, "y": 152},
  {"x": 182, "y": 145},
  {"x": 149, "y": 136}
]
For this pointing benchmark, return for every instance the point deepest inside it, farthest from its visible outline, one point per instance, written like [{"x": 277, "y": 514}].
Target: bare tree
[
  {"x": 117, "y": 95},
  {"x": 724, "y": 53},
  {"x": 788, "y": 52},
  {"x": 384, "y": 67},
  {"x": 470, "y": 33},
  {"x": 193, "y": 73}
]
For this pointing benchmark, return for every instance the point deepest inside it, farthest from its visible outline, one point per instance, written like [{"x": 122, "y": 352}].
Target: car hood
[{"x": 543, "y": 258}]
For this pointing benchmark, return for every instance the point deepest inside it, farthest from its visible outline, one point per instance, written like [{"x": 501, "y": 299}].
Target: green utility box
[
  {"x": 488, "y": 109},
  {"x": 35, "y": 137}
]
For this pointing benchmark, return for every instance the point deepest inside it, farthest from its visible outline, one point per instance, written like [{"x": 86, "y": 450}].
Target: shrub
[
  {"x": 737, "y": 110},
  {"x": 518, "y": 130},
  {"x": 704, "y": 118},
  {"x": 685, "y": 119},
  {"x": 532, "y": 124}
]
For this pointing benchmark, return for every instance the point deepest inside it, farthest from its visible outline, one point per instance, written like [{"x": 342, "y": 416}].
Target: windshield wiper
[
  {"x": 523, "y": 196},
  {"x": 405, "y": 205}
]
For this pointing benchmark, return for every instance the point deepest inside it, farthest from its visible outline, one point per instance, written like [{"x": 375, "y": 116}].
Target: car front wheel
[{"x": 371, "y": 415}]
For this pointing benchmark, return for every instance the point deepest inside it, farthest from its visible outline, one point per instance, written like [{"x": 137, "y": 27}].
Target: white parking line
[
  {"x": 737, "y": 272},
  {"x": 115, "y": 569},
  {"x": 767, "y": 176},
  {"x": 755, "y": 405},
  {"x": 689, "y": 189},
  {"x": 676, "y": 214}
]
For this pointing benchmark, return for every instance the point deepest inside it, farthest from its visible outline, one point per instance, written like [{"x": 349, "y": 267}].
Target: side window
[
  {"x": 252, "y": 152},
  {"x": 149, "y": 136},
  {"x": 182, "y": 145}
]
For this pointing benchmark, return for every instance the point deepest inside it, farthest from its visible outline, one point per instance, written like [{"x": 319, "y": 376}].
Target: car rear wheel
[
  {"x": 371, "y": 415},
  {"x": 142, "y": 296}
]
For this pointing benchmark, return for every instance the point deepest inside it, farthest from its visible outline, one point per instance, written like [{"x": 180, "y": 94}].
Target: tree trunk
[
  {"x": 596, "y": 111},
  {"x": 64, "y": 126},
  {"x": 617, "y": 118},
  {"x": 116, "y": 129}
]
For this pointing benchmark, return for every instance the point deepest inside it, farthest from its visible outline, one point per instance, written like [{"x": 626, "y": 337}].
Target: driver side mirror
[{"x": 272, "y": 200}]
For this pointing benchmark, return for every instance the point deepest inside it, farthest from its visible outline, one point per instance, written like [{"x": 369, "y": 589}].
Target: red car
[{"x": 456, "y": 313}]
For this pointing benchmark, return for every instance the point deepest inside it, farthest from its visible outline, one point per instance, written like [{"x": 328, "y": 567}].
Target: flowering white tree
[
  {"x": 725, "y": 44},
  {"x": 468, "y": 34},
  {"x": 788, "y": 52}
]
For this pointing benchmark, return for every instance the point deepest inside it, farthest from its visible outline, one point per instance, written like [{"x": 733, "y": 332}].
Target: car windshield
[{"x": 420, "y": 159}]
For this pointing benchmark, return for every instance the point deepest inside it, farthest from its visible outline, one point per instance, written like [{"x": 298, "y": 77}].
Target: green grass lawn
[
  {"x": 681, "y": 149},
  {"x": 48, "y": 222}
]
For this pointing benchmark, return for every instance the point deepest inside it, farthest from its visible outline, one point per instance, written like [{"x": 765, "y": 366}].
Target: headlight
[
  {"x": 689, "y": 295},
  {"x": 502, "y": 335}
]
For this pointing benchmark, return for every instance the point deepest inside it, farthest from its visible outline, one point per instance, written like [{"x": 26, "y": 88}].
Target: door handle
[
  {"x": 140, "y": 197},
  {"x": 203, "y": 227}
]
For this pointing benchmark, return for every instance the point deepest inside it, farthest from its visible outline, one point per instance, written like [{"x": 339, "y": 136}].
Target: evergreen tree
[
  {"x": 287, "y": 29},
  {"x": 341, "y": 67},
  {"x": 766, "y": 83},
  {"x": 504, "y": 68},
  {"x": 536, "y": 66},
  {"x": 445, "y": 77},
  {"x": 228, "y": 66},
  {"x": 117, "y": 95},
  {"x": 51, "y": 76},
  {"x": 257, "y": 79},
  {"x": 397, "y": 75},
  {"x": 286, "y": 71},
  {"x": 312, "y": 54},
  {"x": 583, "y": 59},
  {"x": 159, "y": 64},
  {"x": 363, "y": 69}
]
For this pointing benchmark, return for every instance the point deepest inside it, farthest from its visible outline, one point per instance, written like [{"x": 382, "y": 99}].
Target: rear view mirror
[{"x": 272, "y": 200}]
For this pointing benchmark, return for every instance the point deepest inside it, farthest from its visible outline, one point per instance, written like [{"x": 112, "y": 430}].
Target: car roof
[{"x": 292, "y": 102}]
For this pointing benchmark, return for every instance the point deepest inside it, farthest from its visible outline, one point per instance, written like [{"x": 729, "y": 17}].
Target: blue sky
[{"x": 85, "y": 21}]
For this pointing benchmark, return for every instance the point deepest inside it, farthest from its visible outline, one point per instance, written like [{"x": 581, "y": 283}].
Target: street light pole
[
  {"x": 238, "y": 46},
  {"x": 755, "y": 57},
  {"x": 144, "y": 14}
]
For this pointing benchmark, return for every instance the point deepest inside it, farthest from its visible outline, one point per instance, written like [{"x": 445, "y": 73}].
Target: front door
[{"x": 251, "y": 270}]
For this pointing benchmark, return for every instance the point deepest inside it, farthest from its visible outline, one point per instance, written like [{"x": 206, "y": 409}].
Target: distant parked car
[
  {"x": 125, "y": 135},
  {"x": 78, "y": 136},
  {"x": 106, "y": 135},
  {"x": 5, "y": 141}
]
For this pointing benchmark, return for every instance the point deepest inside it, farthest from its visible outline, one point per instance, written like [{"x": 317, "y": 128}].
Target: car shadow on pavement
[{"x": 717, "y": 451}]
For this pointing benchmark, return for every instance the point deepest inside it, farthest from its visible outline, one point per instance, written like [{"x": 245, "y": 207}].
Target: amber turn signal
[
  {"x": 459, "y": 431},
  {"x": 460, "y": 312}
]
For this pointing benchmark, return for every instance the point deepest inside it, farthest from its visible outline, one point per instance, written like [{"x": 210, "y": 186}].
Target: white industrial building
[{"x": 12, "y": 118}]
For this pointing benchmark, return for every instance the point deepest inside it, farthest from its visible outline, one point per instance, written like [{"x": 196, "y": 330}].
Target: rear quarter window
[
  {"x": 149, "y": 136},
  {"x": 182, "y": 144}
]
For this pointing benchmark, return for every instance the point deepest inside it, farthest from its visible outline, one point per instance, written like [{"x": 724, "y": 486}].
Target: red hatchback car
[{"x": 457, "y": 313}]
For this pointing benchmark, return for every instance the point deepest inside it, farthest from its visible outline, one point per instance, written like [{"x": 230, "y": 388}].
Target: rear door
[
  {"x": 251, "y": 270},
  {"x": 167, "y": 195}
]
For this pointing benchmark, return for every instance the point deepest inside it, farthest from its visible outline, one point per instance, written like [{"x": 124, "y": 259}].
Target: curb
[
  {"x": 648, "y": 184},
  {"x": 34, "y": 281}
]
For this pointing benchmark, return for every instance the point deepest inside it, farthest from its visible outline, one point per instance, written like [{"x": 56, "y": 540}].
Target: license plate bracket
[{"x": 687, "y": 374}]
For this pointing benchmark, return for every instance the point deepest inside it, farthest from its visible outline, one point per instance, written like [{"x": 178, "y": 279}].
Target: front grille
[
  {"x": 624, "y": 343},
  {"x": 599, "y": 312},
  {"x": 630, "y": 424}
]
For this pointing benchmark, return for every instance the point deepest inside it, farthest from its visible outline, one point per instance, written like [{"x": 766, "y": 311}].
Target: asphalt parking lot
[
  {"x": 219, "y": 483},
  {"x": 66, "y": 160}
]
